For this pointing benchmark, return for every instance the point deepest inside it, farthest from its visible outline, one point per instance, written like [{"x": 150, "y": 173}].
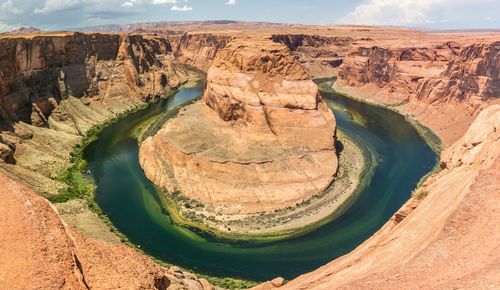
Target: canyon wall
[
  {"x": 53, "y": 88},
  {"x": 472, "y": 76},
  {"x": 444, "y": 86},
  {"x": 320, "y": 55},
  {"x": 39, "y": 72},
  {"x": 198, "y": 50},
  {"x": 262, "y": 140}
]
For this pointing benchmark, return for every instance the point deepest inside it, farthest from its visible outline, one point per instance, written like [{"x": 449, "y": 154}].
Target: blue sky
[{"x": 441, "y": 14}]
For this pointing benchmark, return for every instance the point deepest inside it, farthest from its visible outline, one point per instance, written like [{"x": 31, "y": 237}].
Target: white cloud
[
  {"x": 8, "y": 8},
  {"x": 185, "y": 8},
  {"x": 56, "y": 5},
  {"x": 6, "y": 27},
  {"x": 157, "y": 2},
  {"x": 231, "y": 2},
  {"x": 131, "y": 3},
  {"x": 406, "y": 12}
]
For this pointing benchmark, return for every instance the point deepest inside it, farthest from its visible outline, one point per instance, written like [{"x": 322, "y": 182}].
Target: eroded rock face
[
  {"x": 320, "y": 55},
  {"x": 39, "y": 72},
  {"x": 474, "y": 73},
  {"x": 262, "y": 138},
  {"x": 444, "y": 85},
  {"x": 397, "y": 71},
  {"x": 198, "y": 50}
]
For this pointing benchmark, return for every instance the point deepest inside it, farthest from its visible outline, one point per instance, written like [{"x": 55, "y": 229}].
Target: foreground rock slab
[
  {"x": 38, "y": 251},
  {"x": 446, "y": 237}
]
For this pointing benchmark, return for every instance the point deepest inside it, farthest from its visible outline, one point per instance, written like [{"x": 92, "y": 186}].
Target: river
[{"x": 131, "y": 202}]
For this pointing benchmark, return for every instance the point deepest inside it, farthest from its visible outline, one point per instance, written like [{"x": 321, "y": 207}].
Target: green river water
[{"x": 131, "y": 202}]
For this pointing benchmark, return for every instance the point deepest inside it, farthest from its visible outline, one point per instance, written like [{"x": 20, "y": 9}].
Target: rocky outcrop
[
  {"x": 444, "y": 86},
  {"x": 320, "y": 55},
  {"x": 261, "y": 140},
  {"x": 38, "y": 251},
  {"x": 7, "y": 151},
  {"x": 452, "y": 229},
  {"x": 473, "y": 74}
]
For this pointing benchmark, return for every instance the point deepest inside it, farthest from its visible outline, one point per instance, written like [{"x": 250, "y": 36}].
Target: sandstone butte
[
  {"x": 52, "y": 91},
  {"x": 261, "y": 139}
]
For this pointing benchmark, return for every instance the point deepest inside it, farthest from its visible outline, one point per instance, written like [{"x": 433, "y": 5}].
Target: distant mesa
[{"x": 25, "y": 30}]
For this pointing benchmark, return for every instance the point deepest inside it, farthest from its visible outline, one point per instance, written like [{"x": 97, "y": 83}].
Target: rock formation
[
  {"x": 472, "y": 76},
  {"x": 428, "y": 82},
  {"x": 467, "y": 72},
  {"x": 39, "y": 251},
  {"x": 261, "y": 140},
  {"x": 320, "y": 55},
  {"x": 39, "y": 72}
]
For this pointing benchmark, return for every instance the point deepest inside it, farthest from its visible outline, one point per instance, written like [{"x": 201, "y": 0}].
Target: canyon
[{"x": 55, "y": 87}]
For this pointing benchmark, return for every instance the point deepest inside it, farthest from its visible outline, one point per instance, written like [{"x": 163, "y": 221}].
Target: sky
[{"x": 432, "y": 14}]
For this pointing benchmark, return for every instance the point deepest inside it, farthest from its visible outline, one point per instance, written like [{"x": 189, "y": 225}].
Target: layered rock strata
[
  {"x": 262, "y": 139},
  {"x": 198, "y": 50},
  {"x": 444, "y": 86},
  {"x": 320, "y": 55}
]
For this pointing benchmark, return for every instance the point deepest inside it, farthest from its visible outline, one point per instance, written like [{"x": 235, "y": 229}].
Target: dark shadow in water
[{"x": 339, "y": 146}]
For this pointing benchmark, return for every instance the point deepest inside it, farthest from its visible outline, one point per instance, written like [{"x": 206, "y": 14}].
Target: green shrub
[{"x": 420, "y": 194}]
